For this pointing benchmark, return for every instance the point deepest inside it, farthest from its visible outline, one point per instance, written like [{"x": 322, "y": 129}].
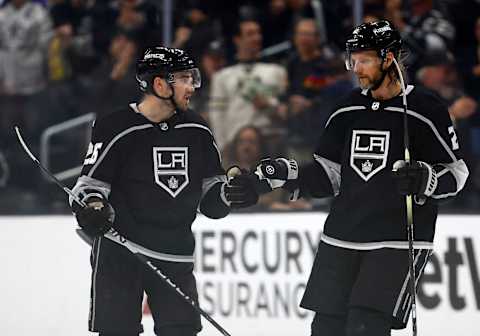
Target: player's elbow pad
[{"x": 212, "y": 205}]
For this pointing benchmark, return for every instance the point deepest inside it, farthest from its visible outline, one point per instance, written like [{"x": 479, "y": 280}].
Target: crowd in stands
[{"x": 271, "y": 72}]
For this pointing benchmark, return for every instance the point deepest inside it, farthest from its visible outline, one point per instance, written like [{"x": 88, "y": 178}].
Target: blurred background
[{"x": 271, "y": 71}]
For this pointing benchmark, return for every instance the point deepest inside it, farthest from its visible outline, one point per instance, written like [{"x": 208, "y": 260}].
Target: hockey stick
[
  {"x": 113, "y": 235},
  {"x": 409, "y": 204}
]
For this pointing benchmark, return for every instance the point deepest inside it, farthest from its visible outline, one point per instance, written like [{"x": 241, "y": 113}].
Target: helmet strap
[{"x": 171, "y": 97}]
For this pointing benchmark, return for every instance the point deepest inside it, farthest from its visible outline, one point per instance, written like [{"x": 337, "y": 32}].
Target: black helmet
[
  {"x": 164, "y": 62},
  {"x": 380, "y": 36}
]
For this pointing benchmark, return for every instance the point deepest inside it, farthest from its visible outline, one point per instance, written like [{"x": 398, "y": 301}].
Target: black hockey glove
[
  {"x": 240, "y": 191},
  {"x": 277, "y": 172},
  {"x": 418, "y": 178},
  {"x": 96, "y": 218}
]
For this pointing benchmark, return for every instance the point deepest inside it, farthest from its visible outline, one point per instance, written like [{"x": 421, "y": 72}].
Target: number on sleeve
[
  {"x": 453, "y": 138},
  {"x": 92, "y": 153}
]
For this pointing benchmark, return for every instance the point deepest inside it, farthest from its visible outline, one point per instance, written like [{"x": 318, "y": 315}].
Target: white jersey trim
[
  {"x": 402, "y": 245},
  {"x": 429, "y": 123},
  {"x": 333, "y": 171},
  {"x": 407, "y": 90},
  {"x": 404, "y": 293},
  {"x": 205, "y": 128},
  {"x": 112, "y": 142},
  {"x": 344, "y": 109},
  {"x": 149, "y": 253},
  {"x": 85, "y": 187},
  {"x": 209, "y": 182},
  {"x": 459, "y": 170}
]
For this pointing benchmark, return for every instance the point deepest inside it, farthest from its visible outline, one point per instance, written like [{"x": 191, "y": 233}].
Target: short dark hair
[{"x": 237, "y": 29}]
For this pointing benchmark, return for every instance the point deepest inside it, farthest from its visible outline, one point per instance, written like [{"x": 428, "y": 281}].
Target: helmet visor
[
  {"x": 360, "y": 59},
  {"x": 187, "y": 77}
]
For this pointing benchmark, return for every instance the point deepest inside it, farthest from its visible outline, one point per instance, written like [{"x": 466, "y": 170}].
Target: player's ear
[
  {"x": 160, "y": 85},
  {"x": 388, "y": 60}
]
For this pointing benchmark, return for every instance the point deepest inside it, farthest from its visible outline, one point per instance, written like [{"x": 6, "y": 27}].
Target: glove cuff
[
  {"x": 431, "y": 182},
  {"x": 290, "y": 173},
  {"x": 292, "y": 168},
  {"x": 222, "y": 195}
]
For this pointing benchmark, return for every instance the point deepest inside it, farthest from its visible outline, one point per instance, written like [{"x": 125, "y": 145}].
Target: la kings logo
[
  {"x": 170, "y": 168},
  {"x": 369, "y": 152}
]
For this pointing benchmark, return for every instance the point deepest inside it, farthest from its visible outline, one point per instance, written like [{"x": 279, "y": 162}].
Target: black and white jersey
[
  {"x": 154, "y": 175},
  {"x": 362, "y": 139}
]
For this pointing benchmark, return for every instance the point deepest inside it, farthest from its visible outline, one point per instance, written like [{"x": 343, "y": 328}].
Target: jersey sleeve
[
  {"x": 322, "y": 177},
  {"x": 101, "y": 162},
  {"x": 436, "y": 143},
  {"x": 103, "y": 154},
  {"x": 212, "y": 203}
]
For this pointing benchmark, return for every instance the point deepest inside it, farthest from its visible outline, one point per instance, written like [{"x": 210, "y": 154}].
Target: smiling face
[{"x": 249, "y": 39}]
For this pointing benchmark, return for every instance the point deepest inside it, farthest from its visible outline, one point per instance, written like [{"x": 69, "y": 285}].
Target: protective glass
[
  {"x": 360, "y": 60},
  {"x": 188, "y": 77}
]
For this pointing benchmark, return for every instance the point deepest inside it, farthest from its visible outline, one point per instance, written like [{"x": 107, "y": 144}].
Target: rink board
[{"x": 251, "y": 272}]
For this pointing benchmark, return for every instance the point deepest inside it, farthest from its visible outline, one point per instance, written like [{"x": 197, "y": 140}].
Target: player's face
[
  {"x": 185, "y": 83},
  {"x": 366, "y": 66}
]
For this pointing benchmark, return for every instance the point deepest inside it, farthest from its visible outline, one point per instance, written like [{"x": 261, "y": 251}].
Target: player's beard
[
  {"x": 182, "y": 105},
  {"x": 366, "y": 83}
]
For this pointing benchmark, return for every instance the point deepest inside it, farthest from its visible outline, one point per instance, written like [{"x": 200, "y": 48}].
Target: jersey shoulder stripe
[
  {"x": 113, "y": 141},
  {"x": 343, "y": 110},
  {"x": 430, "y": 125}
]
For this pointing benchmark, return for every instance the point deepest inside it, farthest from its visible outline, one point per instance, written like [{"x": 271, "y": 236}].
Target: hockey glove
[
  {"x": 96, "y": 218},
  {"x": 240, "y": 191},
  {"x": 278, "y": 171},
  {"x": 417, "y": 178}
]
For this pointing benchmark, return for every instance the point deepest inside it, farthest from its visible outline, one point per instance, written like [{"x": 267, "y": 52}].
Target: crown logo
[
  {"x": 367, "y": 166},
  {"x": 172, "y": 183}
]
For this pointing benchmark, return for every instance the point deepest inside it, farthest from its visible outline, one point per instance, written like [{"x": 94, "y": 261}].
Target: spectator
[
  {"x": 277, "y": 22},
  {"x": 316, "y": 77},
  {"x": 136, "y": 21},
  {"x": 246, "y": 92},
  {"x": 196, "y": 31},
  {"x": 212, "y": 60},
  {"x": 440, "y": 75},
  {"x": 25, "y": 30},
  {"x": 469, "y": 64},
  {"x": 71, "y": 58},
  {"x": 425, "y": 30},
  {"x": 249, "y": 147}
]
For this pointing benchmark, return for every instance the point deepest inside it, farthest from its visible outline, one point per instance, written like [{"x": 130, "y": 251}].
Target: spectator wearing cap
[
  {"x": 425, "y": 28},
  {"x": 212, "y": 60},
  {"x": 246, "y": 92},
  {"x": 439, "y": 74}
]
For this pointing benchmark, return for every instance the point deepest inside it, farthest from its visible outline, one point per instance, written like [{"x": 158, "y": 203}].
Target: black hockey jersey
[
  {"x": 154, "y": 175},
  {"x": 362, "y": 139}
]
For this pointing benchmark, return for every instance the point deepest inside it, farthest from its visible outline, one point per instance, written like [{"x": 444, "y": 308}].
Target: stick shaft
[
  {"x": 408, "y": 203},
  {"x": 113, "y": 235}
]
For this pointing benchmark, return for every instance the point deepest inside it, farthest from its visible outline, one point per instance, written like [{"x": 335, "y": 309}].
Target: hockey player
[
  {"x": 358, "y": 285},
  {"x": 149, "y": 167}
]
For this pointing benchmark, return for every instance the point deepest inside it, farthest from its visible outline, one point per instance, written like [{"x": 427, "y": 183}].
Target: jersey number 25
[{"x": 92, "y": 153}]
